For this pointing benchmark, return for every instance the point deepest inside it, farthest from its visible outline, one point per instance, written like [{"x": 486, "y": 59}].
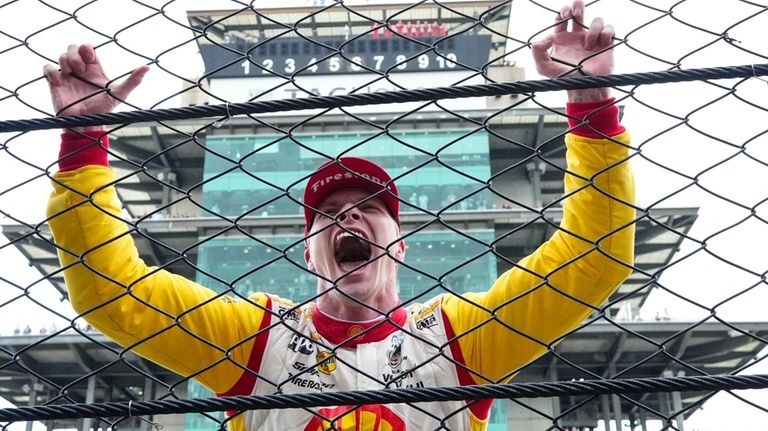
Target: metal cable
[
  {"x": 402, "y": 96},
  {"x": 284, "y": 401},
  {"x": 676, "y": 347}
]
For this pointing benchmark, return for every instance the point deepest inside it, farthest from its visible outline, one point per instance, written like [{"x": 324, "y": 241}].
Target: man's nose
[{"x": 352, "y": 213}]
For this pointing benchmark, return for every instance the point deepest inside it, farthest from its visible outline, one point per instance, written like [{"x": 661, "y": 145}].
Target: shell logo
[
  {"x": 375, "y": 417},
  {"x": 355, "y": 330}
]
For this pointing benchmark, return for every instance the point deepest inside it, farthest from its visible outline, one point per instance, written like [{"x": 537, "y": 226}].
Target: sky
[{"x": 680, "y": 132}]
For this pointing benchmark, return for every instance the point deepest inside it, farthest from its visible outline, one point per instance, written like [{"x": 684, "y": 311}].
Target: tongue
[{"x": 352, "y": 250}]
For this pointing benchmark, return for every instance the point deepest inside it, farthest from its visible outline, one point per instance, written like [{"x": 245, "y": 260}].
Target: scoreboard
[{"x": 291, "y": 56}]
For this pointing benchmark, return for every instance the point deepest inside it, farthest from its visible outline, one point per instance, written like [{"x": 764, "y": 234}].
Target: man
[{"x": 357, "y": 335}]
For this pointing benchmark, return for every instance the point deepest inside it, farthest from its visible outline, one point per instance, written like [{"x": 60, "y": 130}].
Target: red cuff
[
  {"x": 594, "y": 119},
  {"x": 80, "y": 149}
]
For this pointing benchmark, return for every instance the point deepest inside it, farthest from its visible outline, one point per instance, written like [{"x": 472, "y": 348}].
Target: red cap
[{"x": 349, "y": 172}]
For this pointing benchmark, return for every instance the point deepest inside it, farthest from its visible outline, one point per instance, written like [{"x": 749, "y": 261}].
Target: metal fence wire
[{"x": 511, "y": 269}]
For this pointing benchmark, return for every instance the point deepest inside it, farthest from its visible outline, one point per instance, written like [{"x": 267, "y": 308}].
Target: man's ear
[
  {"x": 307, "y": 257},
  {"x": 400, "y": 250}
]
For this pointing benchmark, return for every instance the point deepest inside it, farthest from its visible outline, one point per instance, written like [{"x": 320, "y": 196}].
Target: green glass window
[
  {"x": 266, "y": 175},
  {"x": 276, "y": 265}
]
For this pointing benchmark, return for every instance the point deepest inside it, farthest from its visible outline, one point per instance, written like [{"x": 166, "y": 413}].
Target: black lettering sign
[
  {"x": 401, "y": 380},
  {"x": 365, "y": 56},
  {"x": 428, "y": 321},
  {"x": 301, "y": 345},
  {"x": 288, "y": 313},
  {"x": 309, "y": 383}
]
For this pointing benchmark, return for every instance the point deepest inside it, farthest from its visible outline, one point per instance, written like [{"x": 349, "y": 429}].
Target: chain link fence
[{"x": 219, "y": 201}]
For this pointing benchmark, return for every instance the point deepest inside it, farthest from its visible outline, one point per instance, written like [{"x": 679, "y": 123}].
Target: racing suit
[{"x": 265, "y": 344}]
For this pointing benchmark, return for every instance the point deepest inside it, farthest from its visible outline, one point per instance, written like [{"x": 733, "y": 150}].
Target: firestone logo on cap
[
  {"x": 349, "y": 172},
  {"x": 346, "y": 175}
]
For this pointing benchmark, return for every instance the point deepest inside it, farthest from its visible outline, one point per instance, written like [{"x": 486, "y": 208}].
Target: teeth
[
  {"x": 344, "y": 234},
  {"x": 351, "y": 249}
]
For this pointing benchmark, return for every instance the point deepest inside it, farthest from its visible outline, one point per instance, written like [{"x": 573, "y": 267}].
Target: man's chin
[
  {"x": 354, "y": 276},
  {"x": 352, "y": 267},
  {"x": 355, "y": 280}
]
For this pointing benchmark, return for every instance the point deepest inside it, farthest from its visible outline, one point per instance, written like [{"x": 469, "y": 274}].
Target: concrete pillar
[
  {"x": 677, "y": 406},
  {"x": 617, "y": 414},
  {"x": 535, "y": 169},
  {"x": 34, "y": 385},
  {"x": 616, "y": 401},
  {"x": 147, "y": 395},
  {"x": 90, "y": 397},
  {"x": 555, "y": 400},
  {"x": 606, "y": 412}
]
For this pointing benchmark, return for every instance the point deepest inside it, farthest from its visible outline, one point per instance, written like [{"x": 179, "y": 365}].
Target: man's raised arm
[
  {"x": 554, "y": 289},
  {"x": 159, "y": 315}
]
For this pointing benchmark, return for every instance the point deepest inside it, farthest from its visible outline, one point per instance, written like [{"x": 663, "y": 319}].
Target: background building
[{"x": 481, "y": 181}]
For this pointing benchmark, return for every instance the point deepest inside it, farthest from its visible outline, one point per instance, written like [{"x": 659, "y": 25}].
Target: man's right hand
[
  {"x": 79, "y": 85},
  {"x": 588, "y": 49}
]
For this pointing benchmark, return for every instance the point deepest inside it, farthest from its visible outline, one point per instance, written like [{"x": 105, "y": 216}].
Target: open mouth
[{"x": 351, "y": 249}]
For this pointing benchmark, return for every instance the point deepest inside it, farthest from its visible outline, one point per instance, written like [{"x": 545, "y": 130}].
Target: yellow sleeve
[
  {"x": 162, "y": 316},
  {"x": 554, "y": 289}
]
